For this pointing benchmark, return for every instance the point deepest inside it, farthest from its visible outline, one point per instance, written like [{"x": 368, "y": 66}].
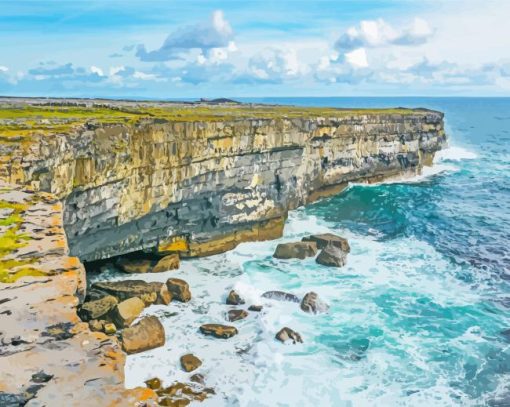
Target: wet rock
[
  {"x": 255, "y": 308},
  {"x": 93, "y": 295},
  {"x": 96, "y": 325},
  {"x": 190, "y": 362},
  {"x": 170, "y": 262},
  {"x": 313, "y": 304},
  {"x": 179, "y": 393},
  {"x": 287, "y": 334},
  {"x": 236, "y": 315},
  {"x": 109, "y": 328},
  {"x": 153, "y": 383},
  {"x": 296, "y": 250},
  {"x": 135, "y": 266},
  {"x": 173, "y": 402},
  {"x": 324, "y": 239},
  {"x": 97, "y": 309},
  {"x": 127, "y": 311},
  {"x": 281, "y": 296},
  {"x": 178, "y": 289},
  {"x": 198, "y": 378},
  {"x": 147, "y": 334},
  {"x": 218, "y": 330},
  {"x": 41, "y": 377},
  {"x": 60, "y": 331},
  {"x": 123, "y": 290},
  {"x": 234, "y": 298},
  {"x": 149, "y": 298},
  {"x": 331, "y": 256}
]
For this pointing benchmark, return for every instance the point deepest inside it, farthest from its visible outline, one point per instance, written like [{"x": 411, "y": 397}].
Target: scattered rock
[
  {"x": 198, "y": 378},
  {"x": 170, "y": 262},
  {"x": 109, "y": 328},
  {"x": 96, "y": 325},
  {"x": 147, "y": 334},
  {"x": 331, "y": 256},
  {"x": 149, "y": 298},
  {"x": 296, "y": 250},
  {"x": 135, "y": 266},
  {"x": 153, "y": 383},
  {"x": 123, "y": 290},
  {"x": 322, "y": 240},
  {"x": 181, "y": 394},
  {"x": 312, "y": 303},
  {"x": 178, "y": 289},
  {"x": 41, "y": 377},
  {"x": 127, "y": 311},
  {"x": 218, "y": 331},
  {"x": 237, "y": 314},
  {"x": 190, "y": 362},
  {"x": 97, "y": 309},
  {"x": 234, "y": 298},
  {"x": 281, "y": 296},
  {"x": 255, "y": 308},
  {"x": 286, "y": 334},
  {"x": 173, "y": 402}
]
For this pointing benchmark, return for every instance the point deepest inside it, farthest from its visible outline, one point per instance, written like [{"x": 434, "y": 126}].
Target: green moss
[{"x": 7, "y": 277}]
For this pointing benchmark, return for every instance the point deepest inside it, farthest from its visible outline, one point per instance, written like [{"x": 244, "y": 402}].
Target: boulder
[
  {"x": 286, "y": 334},
  {"x": 127, "y": 311},
  {"x": 170, "y": 262},
  {"x": 255, "y": 308},
  {"x": 236, "y": 314},
  {"x": 218, "y": 331},
  {"x": 125, "y": 289},
  {"x": 146, "y": 334},
  {"x": 296, "y": 250},
  {"x": 313, "y": 304},
  {"x": 322, "y": 240},
  {"x": 132, "y": 266},
  {"x": 96, "y": 325},
  {"x": 198, "y": 378},
  {"x": 331, "y": 256},
  {"x": 149, "y": 298},
  {"x": 153, "y": 383},
  {"x": 109, "y": 328},
  {"x": 234, "y": 298},
  {"x": 178, "y": 289},
  {"x": 190, "y": 362},
  {"x": 97, "y": 309},
  {"x": 281, "y": 296}
]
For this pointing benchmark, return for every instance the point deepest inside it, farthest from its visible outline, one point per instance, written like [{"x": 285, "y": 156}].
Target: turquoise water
[{"x": 416, "y": 316}]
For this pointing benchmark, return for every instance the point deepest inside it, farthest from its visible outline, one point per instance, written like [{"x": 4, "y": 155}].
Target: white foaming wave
[{"x": 454, "y": 153}]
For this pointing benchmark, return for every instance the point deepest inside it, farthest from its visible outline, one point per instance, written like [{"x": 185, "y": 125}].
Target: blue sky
[{"x": 181, "y": 49}]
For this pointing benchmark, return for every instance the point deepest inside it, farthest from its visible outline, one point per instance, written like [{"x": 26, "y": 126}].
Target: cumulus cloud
[
  {"x": 213, "y": 34},
  {"x": 378, "y": 33}
]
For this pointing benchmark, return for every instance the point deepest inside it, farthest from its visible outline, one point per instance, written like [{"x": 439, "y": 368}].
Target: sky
[{"x": 168, "y": 49}]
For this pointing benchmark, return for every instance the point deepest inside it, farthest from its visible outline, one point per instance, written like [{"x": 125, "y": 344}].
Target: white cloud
[
  {"x": 96, "y": 70},
  {"x": 357, "y": 58},
  {"x": 3, "y": 68},
  {"x": 273, "y": 65}
]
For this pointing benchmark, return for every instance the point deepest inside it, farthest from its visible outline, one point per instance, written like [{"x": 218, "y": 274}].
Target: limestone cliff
[{"x": 198, "y": 178}]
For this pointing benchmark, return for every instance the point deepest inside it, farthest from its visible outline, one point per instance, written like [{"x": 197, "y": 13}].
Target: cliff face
[{"x": 201, "y": 186}]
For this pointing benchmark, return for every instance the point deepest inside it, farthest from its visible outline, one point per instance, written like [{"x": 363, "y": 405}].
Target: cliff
[{"x": 199, "y": 178}]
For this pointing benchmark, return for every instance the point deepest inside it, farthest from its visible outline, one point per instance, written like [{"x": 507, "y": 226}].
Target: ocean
[{"x": 418, "y": 315}]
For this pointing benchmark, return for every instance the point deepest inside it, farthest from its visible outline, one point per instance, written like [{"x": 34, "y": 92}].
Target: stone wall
[{"x": 201, "y": 187}]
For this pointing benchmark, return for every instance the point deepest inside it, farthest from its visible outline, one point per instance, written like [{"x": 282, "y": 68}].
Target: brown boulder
[
  {"x": 331, "y": 256},
  {"x": 127, "y": 311},
  {"x": 170, "y": 262},
  {"x": 313, "y": 304},
  {"x": 109, "y": 328},
  {"x": 236, "y": 314},
  {"x": 296, "y": 250},
  {"x": 97, "y": 309},
  {"x": 149, "y": 298},
  {"x": 96, "y": 325},
  {"x": 147, "y": 334},
  {"x": 132, "y": 266},
  {"x": 198, "y": 378},
  {"x": 125, "y": 289},
  {"x": 234, "y": 298},
  {"x": 286, "y": 334},
  {"x": 178, "y": 289},
  {"x": 190, "y": 362},
  {"x": 322, "y": 240},
  {"x": 153, "y": 383},
  {"x": 255, "y": 308},
  {"x": 218, "y": 331}
]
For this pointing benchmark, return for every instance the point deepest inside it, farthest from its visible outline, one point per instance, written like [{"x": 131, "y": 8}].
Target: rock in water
[
  {"x": 237, "y": 314},
  {"x": 170, "y": 262},
  {"x": 198, "y": 378},
  {"x": 127, "y": 311},
  {"x": 97, "y": 309},
  {"x": 280, "y": 296},
  {"x": 322, "y": 240},
  {"x": 286, "y": 334},
  {"x": 218, "y": 331},
  {"x": 123, "y": 290},
  {"x": 296, "y": 250},
  {"x": 255, "y": 308},
  {"x": 190, "y": 362},
  {"x": 312, "y": 303},
  {"x": 178, "y": 289},
  {"x": 135, "y": 266},
  {"x": 147, "y": 334},
  {"x": 234, "y": 298},
  {"x": 153, "y": 383},
  {"x": 331, "y": 256}
]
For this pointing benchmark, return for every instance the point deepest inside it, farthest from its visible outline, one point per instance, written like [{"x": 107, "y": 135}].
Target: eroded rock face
[
  {"x": 332, "y": 256},
  {"x": 146, "y": 334},
  {"x": 322, "y": 240},
  {"x": 296, "y": 250},
  {"x": 287, "y": 334},
  {"x": 313, "y": 304},
  {"x": 218, "y": 330},
  {"x": 178, "y": 289}
]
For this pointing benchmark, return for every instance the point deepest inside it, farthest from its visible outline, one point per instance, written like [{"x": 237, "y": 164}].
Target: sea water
[{"x": 416, "y": 316}]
